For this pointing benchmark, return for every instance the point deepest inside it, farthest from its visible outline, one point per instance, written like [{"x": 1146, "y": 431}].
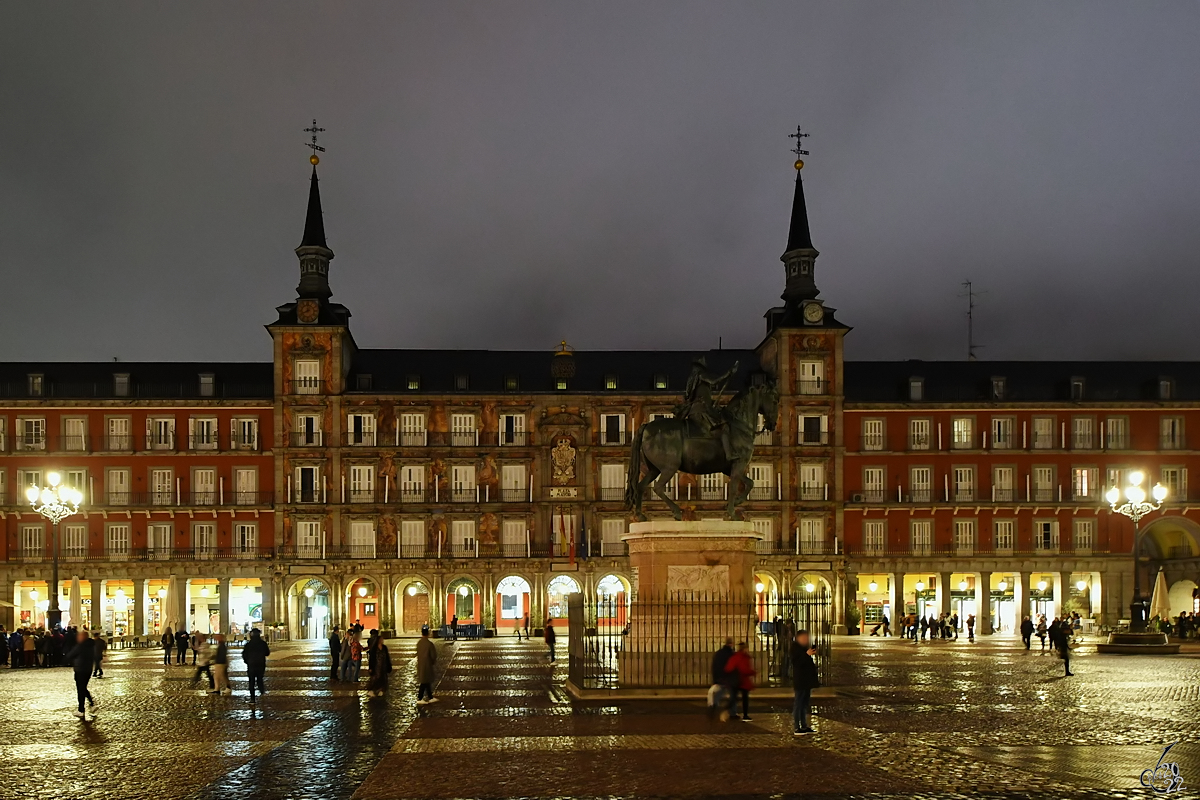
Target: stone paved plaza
[{"x": 931, "y": 720}]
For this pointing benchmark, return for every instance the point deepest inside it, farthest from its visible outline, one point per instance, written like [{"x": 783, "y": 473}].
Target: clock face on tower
[
  {"x": 813, "y": 313},
  {"x": 308, "y": 310}
]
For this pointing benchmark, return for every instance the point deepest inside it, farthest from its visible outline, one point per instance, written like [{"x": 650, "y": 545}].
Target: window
[
  {"x": 36, "y": 385},
  {"x": 245, "y": 539},
  {"x": 74, "y": 542},
  {"x": 512, "y": 430},
  {"x": 964, "y": 484},
  {"x": 308, "y": 484},
  {"x": 412, "y": 483},
  {"x": 363, "y": 382},
  {"x": 963, "y": 435},
  {"x": 77, "y": 480},
  {"x": 33, "y": 541},
  {"x": 121, "y": 384},
  {"x": 116, "y": 541},
  {"x": 31, "y": 434},
  {"x": 202, "y": 433},
  {"x": 244, "y": 434},
  {"x": 1077, "y": 385},
  {"x": 610, "y": 382},
  {"x": 117, "y": 481},
  {"x": 1043, "y": 433},
  {"x": 412, "y": 538},
  {"x": 463, "y": 488},
  {"x": 120, "y": 435},
  {"x": 308, "y": 538},
  {"x": 918, "y": 434},
  {"x": 162, "y": 487},
  {"x": 612, "y": 481},
  {"x": 511, "y": 383},
  {"x": 204, "y": 487},
  {"x": 1043, "y": 484},
  {"x": 245, "y": 486},
  {"x": 208, "y": 384},
  {"x": 412, "y": 382},
  {"x": 462, "y": 382},
  {"x": 813, "y": 428},
  {"x": 812, "y": 481},
  {"x": 27, "y": 478},
  {"x": 1175, "y": 481},
  {"x": 763, "y": 476},
  {"x": 873, "y": 485},
  {"x": 612, "y": 429},
  {"x": 513, "y": 486},
  {"x": 560, "y": 384},
  {"x": 160, "y": 433},
  {"x": 1083, "y": 433},
  {"x": 1083, "y": 535},
  {"x": 308, "y": 376},
  {"x": 1085, "y": 483},
  {"x": 1002, "y": 536},
  {"x": 874, "y": 537},
  {"x": 920, "y": 482},
  {"x": 916, "y": 388},
  {"x": 660, "y": 381},
  {"x": 812, "y": 535},
  {"x": 811, "y": 376},
  {"x": 1171, "y": 433},
  {"x": 462, "y": 537},
  {"x": 308, "y": 431},
  {"x": 412, "y": 429},
  {"x": 360, "y": 429},
  {"x": 1117, "y": 433},
  {"x": 3, "y": 430},
  {"x": 1166, "y": 389},
  {"x": 1045, "y": 535},
  {"x": 1002, "y": 432},
  {"x": 611, "y": 531},
  {"x": 74, "y": 434},
  {"x": 512, "y": 537},
  {"x": 463, "y": 432},
  {"x": 964, "y": 536},
  {"x": 1002, "y": 485},
  {"x": 764, "y": 527},
  {"x": 922, "y": 537},
  {"x": 362, "y": 539},
  {"x": 872, "y": 434},
  {"x": 362, "y": 483},
  {"x": 158, "y": 541},
  {"x": 204, "y": 539},
  {"x": 998, "y": 387},
  {"x": 712, "y": 486}
]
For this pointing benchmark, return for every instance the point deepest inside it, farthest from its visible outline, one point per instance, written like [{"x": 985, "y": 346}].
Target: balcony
[
  {"x": 813, "y": 491},
  {"x": 812, "y": 386},
  {"x": 307, "y": 386},
  {"x": 514, "y": 495},
  {"x": 169, "y": 499},
  {"x": 30, "y": 442},
  {"x": 361, "y": 496},
  {"x": 206, "y": 441},
  {"x": 412, "y": 439},
  {"x": 359, "y": 439},
  {"x": 412, "y": 494},
  {"x": 712, "y": 492},
  {"x": 200, "y": 553},
  {"x": 812, "y": 437},
  {"x": 464, "y": 438},
  {"x": 766, "y": 492},
  {"x": 306, "y": 438},
  {"x": 118, "y": 443},
  {"x": 922, "y": 495},
  {"x": 764, "y": 439},
  {"x": 612, "y": 493},
  {"x": 874, "y": 496},
  {"x": 1171, "y": 442},
  {"x": 465, "y": 495},
  {"x": 160, "y": 442},
  {"x": 1043, "y": 494},
  {"x": 1007, "y": 495},
  {"x": 511, "y": 438}
]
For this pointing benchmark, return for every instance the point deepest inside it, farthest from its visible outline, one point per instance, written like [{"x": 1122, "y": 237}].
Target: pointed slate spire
[
  {"x": 313, "y": 253},
  {"x": 798, "y": 235},
  {"x": 314, "y": 222},
  {"x": 799, "y": 260}
]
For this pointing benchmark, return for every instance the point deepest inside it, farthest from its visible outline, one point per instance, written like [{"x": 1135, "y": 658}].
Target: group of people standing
[
  {"x": 346, "y": 656},
  {"x": 1059, "y": 633},
  {"x": 733, "y": 677}
]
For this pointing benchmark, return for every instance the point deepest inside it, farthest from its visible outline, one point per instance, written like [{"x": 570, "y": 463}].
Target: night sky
[{"x": 616, "y": 174}]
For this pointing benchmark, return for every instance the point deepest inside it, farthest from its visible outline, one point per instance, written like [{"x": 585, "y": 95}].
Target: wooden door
[{"x": 416, "y": 612}]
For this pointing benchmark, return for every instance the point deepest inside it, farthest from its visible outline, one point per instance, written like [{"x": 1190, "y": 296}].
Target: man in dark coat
[
  {"x": 426, "y": 658},
  {"x": 335, "y": 652},
  {"x": 720, "y": 677},
  {"x": 804, "y": 680},
  {"x": 254, "y": 653},
  {"x": 1027, "y": 631},
  {"x": 1061, "y": 641},
  {"x": 182, "y": 640},
  {"x": 82, "y": 659}
]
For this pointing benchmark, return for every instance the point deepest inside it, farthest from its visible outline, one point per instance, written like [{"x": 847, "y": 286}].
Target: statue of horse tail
[{"x": 633, "y": 492}]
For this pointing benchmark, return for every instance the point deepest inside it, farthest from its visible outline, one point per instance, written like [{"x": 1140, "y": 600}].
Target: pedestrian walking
[
  {"x": 82, "y": 659},
  {"x": 1027, "y": 632},
  {"x": 29, "y": 648},
  {"x": 254, "y": 653},
  {"x": 454, "y": 627},
  {"x": 379, "y": 666},
  {"x": 718, "y": 693},
  {"x": 924, "y": 627},
  {"x": 99, "y": 645},
  {"x": 203, "y": 664},
  {"x": 804, "y": 680},
  {"x": 351, "y": 656},
  {"x": 550, "y": 637},
  {"x": 219, "y": 664},
  {"x": 527, "y": 626},
  {"x": 182, "y": 640},
  {"x": 426, "y": 658},
  {"x": 16, "y": 646},
  {"x": 1060, "y": 640},
  {"x": 887, "y": 627},
  {"x": 1041, "y": 632},
  {"x": 741, "y": 669},
  {"x": 168, "y": 642},
  {"x": 971, "y": 628},
  {"x": 335, "y": 652},
  {"x": 195, "y": 643}
]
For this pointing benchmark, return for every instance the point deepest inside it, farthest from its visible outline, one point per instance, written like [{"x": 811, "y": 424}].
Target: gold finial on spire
[
  {"x": 314, "y": 130},
  {"x": 798, "y": 135}
]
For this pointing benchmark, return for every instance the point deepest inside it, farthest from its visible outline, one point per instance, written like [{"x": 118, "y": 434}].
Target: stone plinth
[{"x": 1132, "y": 644}]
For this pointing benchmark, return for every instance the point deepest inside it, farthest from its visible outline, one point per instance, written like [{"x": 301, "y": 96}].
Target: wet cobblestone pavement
[{"x": 937, "y": 720}]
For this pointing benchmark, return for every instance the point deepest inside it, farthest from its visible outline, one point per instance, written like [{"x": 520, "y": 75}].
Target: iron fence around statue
[{"x": 669, "y": 642}]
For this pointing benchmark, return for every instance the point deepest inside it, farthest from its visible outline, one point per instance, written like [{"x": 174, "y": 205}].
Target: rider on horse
[{"x": 698, "y": 405}]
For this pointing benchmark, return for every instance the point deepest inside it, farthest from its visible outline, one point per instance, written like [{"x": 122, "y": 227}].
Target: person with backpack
[
  {"x": 254, "y": 653},
  {"x": 741, "y": 670}
]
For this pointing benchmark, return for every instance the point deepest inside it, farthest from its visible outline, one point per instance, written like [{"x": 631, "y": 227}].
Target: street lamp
[
  {"x": 1135, "y": 507},
  {"x": 55, "y": 502}
]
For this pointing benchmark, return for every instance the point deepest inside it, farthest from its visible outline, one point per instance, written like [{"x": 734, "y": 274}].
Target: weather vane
[
  {"x": 316, "y": 148},
  {"x": 798, "y": 135}
]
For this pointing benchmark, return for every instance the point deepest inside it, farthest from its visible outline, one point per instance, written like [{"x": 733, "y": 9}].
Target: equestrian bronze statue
[{"x": 703, "y": 438}]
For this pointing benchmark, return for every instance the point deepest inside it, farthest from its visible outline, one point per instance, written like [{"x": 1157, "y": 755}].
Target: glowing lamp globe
[
  {"x": 1041, "y": 586},
  {"x": 1081, "y": 585},
  {"x": 873, "y": 586},
  {"x": 1135, "y": 494},
  {"x": 962, "y": 586},
  {"x": 810, "y": 587},
  {"x": 1002, "y": 586},
  {"x": 32, "y": 494},
  {"x": 162, "y": 593},
  {"x": 53, "y": 478},
  {"x": 33, "y": 594},
  {"x": 758, "y": 587},
  {"x": 1159, "y": 492},
  {"x": 412, "y": 591},
  {"x": 1113, "y": 496},
  {"x": 308, "y": 592},
  {"x": 362, "y": 591},
  {"x": 464, "y": 591},
  {"x": 1136, "y": 477},
  {"x": 920, "y": 586}
]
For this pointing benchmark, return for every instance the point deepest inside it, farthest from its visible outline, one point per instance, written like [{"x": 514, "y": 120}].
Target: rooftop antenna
[
  {"x": 971, "y": 294},
  {"x": 316, "y": 148}
]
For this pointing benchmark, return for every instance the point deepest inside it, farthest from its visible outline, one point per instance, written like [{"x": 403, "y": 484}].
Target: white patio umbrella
[
  {"x": 1160, "y": 602},
  {"x": 76, "y": 598},
  {"x": 170, "y": 605}
]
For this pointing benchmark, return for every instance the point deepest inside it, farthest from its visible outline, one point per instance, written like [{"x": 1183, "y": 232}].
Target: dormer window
[
  {"x": 916, "y": 388},
  {"x": 413, "y": 382},
  {"x": 610, "y": 382},
  {"x": 1077, "y": 386},
  {"x": 207, "y": 384},
  {"x": 363, "y": 382},
  {"x": 998, "y": 388},
  {"x": 660, "y": 381},
  {"x": 1166, "y": 389},
  {"x": 121, "y": 384},
  {"x": 511, "y": 383},
  {"x": 560, "y": 384},
  {"x": 36, "y": 385},
  {"x": 462, "y": 382}
]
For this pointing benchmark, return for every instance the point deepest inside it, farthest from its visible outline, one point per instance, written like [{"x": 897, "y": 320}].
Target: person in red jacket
[{"x": 741, "y": 669}]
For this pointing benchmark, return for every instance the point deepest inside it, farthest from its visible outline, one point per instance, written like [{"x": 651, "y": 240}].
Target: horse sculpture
[{"x": 672, "y": 445}]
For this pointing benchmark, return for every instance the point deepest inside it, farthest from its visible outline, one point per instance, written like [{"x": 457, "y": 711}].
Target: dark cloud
[{"x": 614, "y": 174}]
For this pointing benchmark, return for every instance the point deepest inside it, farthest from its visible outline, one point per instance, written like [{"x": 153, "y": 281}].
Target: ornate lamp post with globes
[
  {"x": 55, "y": 502},
  {"x": 1135, "y": 507}
]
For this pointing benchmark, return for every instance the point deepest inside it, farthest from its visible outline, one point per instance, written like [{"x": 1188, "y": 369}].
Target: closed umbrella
[
  {"x": 170, "y": 605},
  {"x": 1160, "y": 602},
  {"x": 77, "y": 603}
]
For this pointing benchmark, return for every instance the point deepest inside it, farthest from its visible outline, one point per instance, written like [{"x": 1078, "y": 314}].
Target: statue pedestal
[{"x": 693, "y": 586}]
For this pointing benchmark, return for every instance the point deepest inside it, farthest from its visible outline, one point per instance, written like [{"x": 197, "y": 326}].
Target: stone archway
[
  {"x": 1182, "y": 597},
  {"x": 612, "y": 602},
  {"x": 1170, "y": 538},
  {"x": 309, "y": 607},
  {"x": 414, "y": 604}
]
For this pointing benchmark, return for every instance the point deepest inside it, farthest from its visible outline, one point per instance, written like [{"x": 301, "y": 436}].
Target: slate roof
[{"x": 147, "y": 380}]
